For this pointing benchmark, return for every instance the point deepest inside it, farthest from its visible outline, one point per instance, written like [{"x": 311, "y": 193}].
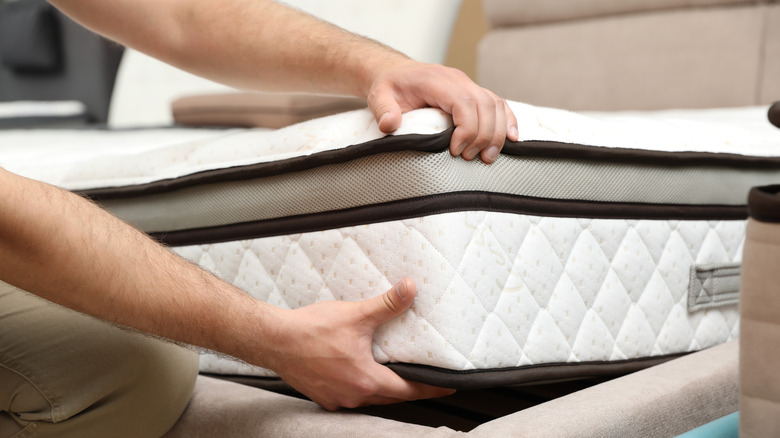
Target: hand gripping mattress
[{"x": 598, "y": 244}]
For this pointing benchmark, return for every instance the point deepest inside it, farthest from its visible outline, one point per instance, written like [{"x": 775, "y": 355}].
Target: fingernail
[
  {"x": 400, "y": 289},
  {"x": 491, "y": 153},
  {"x": 470, "y": 154},
  {"x": 382, "y": 118},
  {"x": 513, "y": 134},
  {"x": 461, "y": 148}
]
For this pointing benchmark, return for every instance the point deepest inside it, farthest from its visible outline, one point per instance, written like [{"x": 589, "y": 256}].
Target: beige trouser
[{"x": 64, "y": 374}]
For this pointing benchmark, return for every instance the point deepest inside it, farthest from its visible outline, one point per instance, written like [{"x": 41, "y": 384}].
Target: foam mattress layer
[
  {"x": 501, "y": 293},
  {"x": 598, "y": 244}
]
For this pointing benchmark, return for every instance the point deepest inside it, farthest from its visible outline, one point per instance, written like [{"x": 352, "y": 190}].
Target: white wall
[
  {"x": 146, "y": 87},
  {"x": 419, "y": 28}
]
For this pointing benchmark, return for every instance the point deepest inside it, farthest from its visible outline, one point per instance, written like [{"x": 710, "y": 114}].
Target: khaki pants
[{"x": 65, "y": 374}]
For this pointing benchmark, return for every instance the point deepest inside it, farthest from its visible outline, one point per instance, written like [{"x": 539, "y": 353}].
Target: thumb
[
  {"x": 397, "y": 300},
  {"x": 386, "y": 110}
]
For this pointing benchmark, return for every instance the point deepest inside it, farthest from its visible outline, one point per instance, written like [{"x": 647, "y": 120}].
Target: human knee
[
  {"x": 80, "y": 376},
  {"x": 158, "y": 381}
]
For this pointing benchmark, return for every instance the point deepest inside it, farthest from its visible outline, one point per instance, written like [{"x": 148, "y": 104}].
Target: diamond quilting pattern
[{"x": 498, "y": 289}]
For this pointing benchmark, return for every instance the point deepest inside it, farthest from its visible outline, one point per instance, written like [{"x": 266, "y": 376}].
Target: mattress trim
[
  {"x": 488, "y": 378},
  {"x": 408, "y": 142},
  {"x": 554, "y": 149},
  {"x": 435, "y": 143},
  {"x": 538, "y": 373},
  {"x": 446, "y": 203},
  {"x": 404, "y": 175}
]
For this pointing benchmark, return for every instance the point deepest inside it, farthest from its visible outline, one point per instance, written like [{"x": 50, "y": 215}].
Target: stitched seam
[
  {"x": 716, "y": 298},
  {"x": 27, "y": 431},
  {"x": 40, "y": 391},
  {"x": 455, "y": 275}
]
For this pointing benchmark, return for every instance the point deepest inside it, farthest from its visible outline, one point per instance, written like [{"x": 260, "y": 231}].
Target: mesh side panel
[{"x": 403, "y": 175}]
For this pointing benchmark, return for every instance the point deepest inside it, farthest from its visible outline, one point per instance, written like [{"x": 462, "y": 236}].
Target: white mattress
[{"x": 600, "y": 243}]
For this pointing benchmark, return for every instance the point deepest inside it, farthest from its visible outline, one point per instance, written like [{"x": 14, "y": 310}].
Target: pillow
[
  {"x": 37, "y": 114},
  {"x": 263, "y": 110},
  {"x": 29, "y": 36}
]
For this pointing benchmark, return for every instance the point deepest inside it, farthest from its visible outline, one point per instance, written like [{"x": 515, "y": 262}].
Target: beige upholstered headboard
[{"x": 632, "y": 54}]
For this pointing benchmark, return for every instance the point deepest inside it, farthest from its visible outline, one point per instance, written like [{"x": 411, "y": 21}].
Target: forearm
[
  {"x": 69, "y": 251},
  {"x": 249, "y": 44},
  {"x": 66, "y": 249},
  {"x": 259, "y": 44}
]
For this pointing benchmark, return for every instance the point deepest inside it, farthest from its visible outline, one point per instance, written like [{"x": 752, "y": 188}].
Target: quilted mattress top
[{"x": 92, "y": 159}]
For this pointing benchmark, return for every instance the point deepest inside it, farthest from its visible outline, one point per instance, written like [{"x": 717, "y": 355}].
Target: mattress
[{"x": 598, "y": 244}]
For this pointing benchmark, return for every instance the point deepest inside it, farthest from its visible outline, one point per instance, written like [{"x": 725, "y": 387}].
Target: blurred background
[{"x": 603, "y": 55}]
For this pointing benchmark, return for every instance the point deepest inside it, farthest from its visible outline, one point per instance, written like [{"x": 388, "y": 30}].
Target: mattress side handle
[{"x": 713, "y": 285}]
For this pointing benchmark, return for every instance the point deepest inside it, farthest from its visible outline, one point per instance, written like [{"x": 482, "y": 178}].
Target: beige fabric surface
[
  {"x": 691, "y": 58},
  {"x": 770, "y": 76},
  {"x": 760, "y": 332},
  {"x": 661, "y": 401},
  {"x": 224, "y": 409},
  {"x": 260, "y": 110},
  {"x": 664, "y": 400},
  {"x": 513, "y": 12}
]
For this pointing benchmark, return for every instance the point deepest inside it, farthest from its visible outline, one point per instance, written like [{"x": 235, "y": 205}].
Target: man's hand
[
  {"x": 482, "y": 119},
  {"x": 257, "y": 45},
  {"x": 99, "y": 265},
  {"x": 325, "y": 352}
]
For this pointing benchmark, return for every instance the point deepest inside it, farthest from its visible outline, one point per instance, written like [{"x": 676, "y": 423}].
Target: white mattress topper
[{"x": 86, "y": 159}]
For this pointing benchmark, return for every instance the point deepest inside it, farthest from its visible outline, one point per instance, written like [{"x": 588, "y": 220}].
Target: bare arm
[
  {"x": 250, "y": 44},
  {"x": 259, "y": 44},
  {"x": 66, "y": 249}
]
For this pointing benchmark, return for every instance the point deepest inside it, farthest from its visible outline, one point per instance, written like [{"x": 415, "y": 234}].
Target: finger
[
  {"x": 486, "y": 112},
  {"x": 395, "y": 388},
  {"x": 464, "y": 117},
  {"x": 382, "y": 387},
  {"x": 511, "y": 123},
  {"x": 386, "y": 110},
  {"x": 378, "y": 310},
  {"x": 490, "y": 153},
  {"x": 379, "y": 400}
]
